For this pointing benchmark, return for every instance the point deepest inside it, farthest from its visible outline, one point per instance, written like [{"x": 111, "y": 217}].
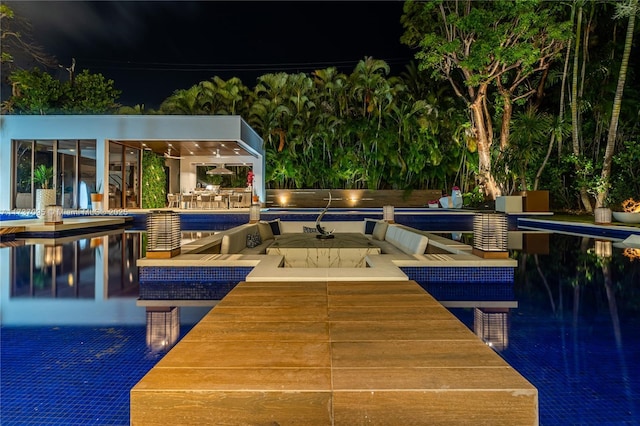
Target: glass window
[
  {"x": 131, "y": 177},
  {"x": 87, "y": 172},
  {"x": 66, "y": 178},
  {"x": 73, "y": 163},
  {"x": 23, "y": 181},
  {"x": 116, "y": 183}
]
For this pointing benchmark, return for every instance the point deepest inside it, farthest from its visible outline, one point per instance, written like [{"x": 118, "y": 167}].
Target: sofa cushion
[
  {"x": 379, "y": 230},
  {"x": 235, "y": 240},
  {"x": 407, "y": 241},
  {"x": 260, "y": 249}
]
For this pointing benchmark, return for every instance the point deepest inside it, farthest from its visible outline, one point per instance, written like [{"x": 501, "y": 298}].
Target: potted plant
[
  {"x": 96, "y": 196},
  {"x": 602, "y": 210},
  {"x": 45, "y": 196}
]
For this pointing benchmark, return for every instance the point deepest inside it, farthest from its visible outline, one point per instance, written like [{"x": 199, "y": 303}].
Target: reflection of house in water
[{"x": 68, "y": 267}]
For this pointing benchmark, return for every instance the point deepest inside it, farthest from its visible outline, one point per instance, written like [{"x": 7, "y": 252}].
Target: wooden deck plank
[
  {"x": 414, "y": 353},
  {"x": 434, "y": 408},
  {"x": 249, "y": 354},
  {"x": 353, "y": 331},
  {"x": 238, "y": 379},
  {"x": 250, "y": 330}
]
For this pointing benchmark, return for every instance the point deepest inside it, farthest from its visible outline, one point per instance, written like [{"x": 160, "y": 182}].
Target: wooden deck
[
  {"x": 79, "y": 223},
  {"x": 332, "y": 353}
]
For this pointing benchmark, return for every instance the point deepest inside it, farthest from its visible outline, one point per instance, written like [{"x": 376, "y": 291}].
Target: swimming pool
[{"x": 573, "y": 334}]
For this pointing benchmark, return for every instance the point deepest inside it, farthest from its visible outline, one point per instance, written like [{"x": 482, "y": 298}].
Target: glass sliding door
[
  {"x": 116, "y": 184},
  {"x": 72, "y": 164},
  {"x": 23, "y": 182},
  {"x": 87, "y": 172},
  {"x": 66, "y": 176},
  {"x": 124, "y": 176},
  {"x": 131, "y": 177}
]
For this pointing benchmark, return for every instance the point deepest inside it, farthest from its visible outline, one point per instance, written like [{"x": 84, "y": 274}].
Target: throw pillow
[
  {"x": 380, "y": 230},
  {"x": 309, "y": 230},
  {"x": 275, "y": 226},
  {"x": 265, "y": 231},
  {"x": 253, "y": 240},
  {"x": 368, "y": 226}
]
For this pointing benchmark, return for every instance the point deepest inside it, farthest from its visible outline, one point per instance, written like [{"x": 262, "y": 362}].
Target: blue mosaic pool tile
[
  {"x": 459, "y": 275},
  {"x": 71, "y": 375},
  {"x": 193, "y": 274},
  {"x": 190, "y": 283},
  {"x": 470, "y": 291},
  {"x": 185, "y": 290}
]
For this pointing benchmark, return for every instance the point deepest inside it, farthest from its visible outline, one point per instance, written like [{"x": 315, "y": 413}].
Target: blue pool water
[
  {"x": 71, "y": 357},
  {"x": 71, "y": 375}
]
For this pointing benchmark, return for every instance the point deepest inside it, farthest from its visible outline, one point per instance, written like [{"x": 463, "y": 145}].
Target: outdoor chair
[{"x": 173, "y": 200}]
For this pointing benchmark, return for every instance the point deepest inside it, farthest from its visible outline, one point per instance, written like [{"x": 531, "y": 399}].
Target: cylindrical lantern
[
  {"x": 490, "y": 235},
  {"x": 254, "y": 213},
  {"x": 388, "y": 214},
  {"x": 52, "y": 215},
  {"x": 163, "y": 234}
]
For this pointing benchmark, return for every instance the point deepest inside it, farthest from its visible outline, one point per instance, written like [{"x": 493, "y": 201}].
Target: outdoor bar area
[{"x": 106, "y": 162}]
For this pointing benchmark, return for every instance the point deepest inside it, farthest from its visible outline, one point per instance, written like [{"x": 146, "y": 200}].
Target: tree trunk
[
  {"x": 617, "y": 101},
  {"x": 484, "y": 138},
  {"x": 575, "y": 123}
]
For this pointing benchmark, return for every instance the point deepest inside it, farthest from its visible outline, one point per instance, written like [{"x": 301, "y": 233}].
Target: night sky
[{"x": 151, "y": 48}]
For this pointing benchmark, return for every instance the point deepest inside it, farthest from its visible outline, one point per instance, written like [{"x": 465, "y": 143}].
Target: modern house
[{"x": 103, "y": 153}]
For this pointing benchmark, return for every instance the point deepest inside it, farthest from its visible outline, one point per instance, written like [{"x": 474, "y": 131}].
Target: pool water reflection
[
  {"x": 71, "y": 328},
  {"x": 568, "y": 324},
  {"x": 574, "y": 333}
]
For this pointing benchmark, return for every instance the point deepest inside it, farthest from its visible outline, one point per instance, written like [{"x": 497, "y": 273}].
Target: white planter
[
  {"x": 44, "y": 198},
  {"x": 626, "y": 217}
]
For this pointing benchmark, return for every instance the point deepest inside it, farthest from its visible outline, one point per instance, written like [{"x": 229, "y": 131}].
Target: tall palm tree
[
  {"x": 627, "y": 9},
  {"x": 223, "y": 97},
  {"x": 183, "y": 101}
]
